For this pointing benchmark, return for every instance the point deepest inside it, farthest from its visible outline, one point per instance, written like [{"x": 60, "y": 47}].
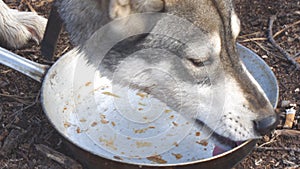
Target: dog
[
  {"x": 188, "y": 59},
  {"x": 18, "y": 27},
  {"x": 74, "y": 14}
]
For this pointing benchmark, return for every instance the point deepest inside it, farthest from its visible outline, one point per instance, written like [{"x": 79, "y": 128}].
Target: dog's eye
[
  {"x": 196, "y": 62},
  {"x": 199, "y": 62}
]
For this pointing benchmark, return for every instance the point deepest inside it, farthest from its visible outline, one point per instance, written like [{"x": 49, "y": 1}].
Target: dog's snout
[{"x": 266, "y": 124}]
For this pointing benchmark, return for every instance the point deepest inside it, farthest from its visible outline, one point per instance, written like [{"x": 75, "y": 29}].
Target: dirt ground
[{"x": 24, "y": 125}]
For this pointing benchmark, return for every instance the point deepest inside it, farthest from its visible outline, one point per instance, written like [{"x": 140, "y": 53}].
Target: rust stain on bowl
[{"x": 157, "y": 159}]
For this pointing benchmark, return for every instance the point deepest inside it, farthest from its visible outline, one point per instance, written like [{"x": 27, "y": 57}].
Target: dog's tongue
[{"x": 220, "y": 149}]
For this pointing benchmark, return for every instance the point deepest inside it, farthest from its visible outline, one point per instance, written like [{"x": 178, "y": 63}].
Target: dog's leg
[
  {"x": 17, "y": 28},
  {"x": 34, "y": 23}
]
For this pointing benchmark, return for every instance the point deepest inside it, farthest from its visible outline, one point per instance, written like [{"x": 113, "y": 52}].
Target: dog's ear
[
  {"x": 122, "y": 8},
  {"x": 119, "y": 8},
  {"x": 147, "y": 5}
]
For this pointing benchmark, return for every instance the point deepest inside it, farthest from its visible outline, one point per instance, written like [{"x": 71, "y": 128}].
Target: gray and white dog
[{"x": 194, "y": 45}]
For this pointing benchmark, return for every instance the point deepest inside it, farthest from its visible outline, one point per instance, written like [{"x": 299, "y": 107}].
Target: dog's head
[
  {"x": 244, "y": 111},
  {"x": 208, "y": 70},
  {"x": 201, "y": 74}
]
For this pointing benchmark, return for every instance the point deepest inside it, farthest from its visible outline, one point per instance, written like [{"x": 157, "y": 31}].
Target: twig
[
  {"x": 17, "y": 98},
  {"x": 262, "y": 47},
  {"x": 62, "y": 52},
  {"x": 11, "y": 141},
  {"x": 60, "y": 158},
  {"x": 18, "y": 111},
  {"x": 281, "y": 50},
  {"x": 286, "y": 28},
  {"x": 253, "y": 39},
  {"x": 30, "y": 7},
  {"x": 264, "y": 39},
  {"x": 277, "y": 149},
  {"x": 287, "y": 132},
  {"x": 269, "y": 142},
  {"x": 25, "y": 108},
  {"x": 244, "y": 36}
]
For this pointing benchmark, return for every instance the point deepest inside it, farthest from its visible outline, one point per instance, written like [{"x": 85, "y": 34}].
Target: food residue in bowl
[
  {"x": 168, "y": 111},
  {"x": 88, "y": 83},
  {"x": 110, "y": 94},
  {"x": 108, "y": 143},
  {"x": 113, "y": 124},
  {"x": 67, "y": 124},
  {"x": 202, "y": 142},
  {"x": 141, "y": 144},
  {"x": 142, "y": 95},
  {"x": 82, "y": 120},
  {"x": 94, "y": 124},
  {"x": 140, "y": 131},
  {"x": 177, "y": 156},
  {"x": 118, "y": 158}
]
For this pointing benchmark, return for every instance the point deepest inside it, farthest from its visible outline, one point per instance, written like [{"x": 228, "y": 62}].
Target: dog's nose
[{"x": 266, "y": 124}]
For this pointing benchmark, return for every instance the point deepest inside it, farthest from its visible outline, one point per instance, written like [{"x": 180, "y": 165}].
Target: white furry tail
[{"x": 17, "y": 27}]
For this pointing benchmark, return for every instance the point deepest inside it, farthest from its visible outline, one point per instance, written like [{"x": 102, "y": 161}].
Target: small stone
[
  {"x": 285, "y": 103},
  {"x": 297, "y": 90},
  {"x": 290, "y": 39},
  {"x": 266, "y": 138},
  {"x": 265, "y": 57}
]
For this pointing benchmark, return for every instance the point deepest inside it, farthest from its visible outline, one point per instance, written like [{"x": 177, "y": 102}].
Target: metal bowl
[{"x": 91, "y": 159}]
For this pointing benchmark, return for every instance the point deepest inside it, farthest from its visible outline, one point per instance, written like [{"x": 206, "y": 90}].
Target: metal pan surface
[
  {"x": 71, "y": 109},
  {"x": 85, "y": 114},
  {"x": 94, "y": 130}
]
